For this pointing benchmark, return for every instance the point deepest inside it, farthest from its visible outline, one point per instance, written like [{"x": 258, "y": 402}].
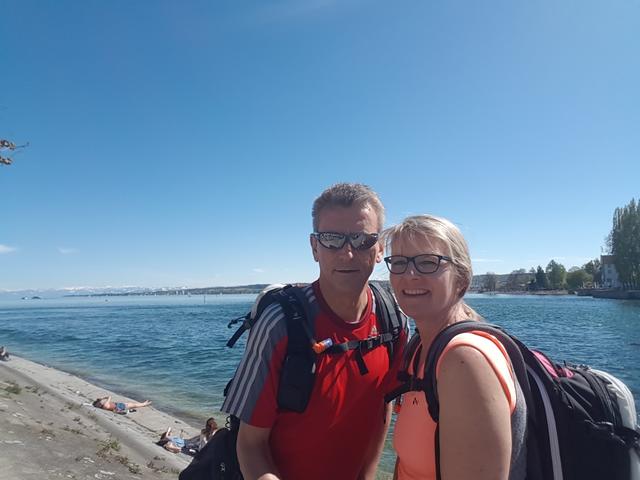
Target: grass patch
[
  {"x": 157, "y": 469},
  {"x": 32, "y": 388},
  {"x": 77, "y": 431},
  {"x": 13, "y": 387},
  {"x": 105, "y": 447},
  {"x": 133, "y": 467}
]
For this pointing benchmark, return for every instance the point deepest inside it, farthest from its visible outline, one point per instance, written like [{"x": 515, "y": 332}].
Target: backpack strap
[
  {"x": 511, "y": 345},
  {"x": 392, "y": 323},
  {"x": 246, "y": 325},
  {"x": 409, "y": 381},
  {"x": 392, "y": 319},
  {"x": 298, "y": 369},
  {"x": 264, "y": 299}
]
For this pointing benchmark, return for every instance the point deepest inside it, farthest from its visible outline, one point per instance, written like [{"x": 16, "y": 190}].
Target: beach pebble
[{"x": 104, "y": 474}]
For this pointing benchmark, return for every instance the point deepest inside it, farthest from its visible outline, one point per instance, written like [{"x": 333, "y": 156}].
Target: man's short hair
[{"x": 345, "y": 195}]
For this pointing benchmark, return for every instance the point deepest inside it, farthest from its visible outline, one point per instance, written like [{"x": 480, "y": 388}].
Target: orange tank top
[{"x": 414, "y": 433}]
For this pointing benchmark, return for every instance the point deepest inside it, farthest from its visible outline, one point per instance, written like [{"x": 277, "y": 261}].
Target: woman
[
  {"x": 482, "y": 417},
  {"x": 105, "y": 403},
  {"x": 192, "y": 445}
]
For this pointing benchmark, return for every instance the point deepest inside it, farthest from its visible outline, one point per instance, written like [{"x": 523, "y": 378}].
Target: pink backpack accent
[{"x": 555, "y": 371}]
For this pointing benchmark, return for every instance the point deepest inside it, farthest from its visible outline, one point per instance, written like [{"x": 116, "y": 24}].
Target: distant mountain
[
  {"x": 70, "y": 291},
  {"x": 255, "y": 288},
  {"x": 476, "y": 285}
]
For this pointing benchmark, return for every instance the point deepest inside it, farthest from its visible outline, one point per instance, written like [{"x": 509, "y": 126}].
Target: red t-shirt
[{"x": 331, "y": 437}]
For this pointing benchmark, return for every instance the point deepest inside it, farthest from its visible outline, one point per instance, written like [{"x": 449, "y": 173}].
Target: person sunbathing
[
  {"x": 190, "y": 446},
  {"x": 105, "y": 403}
]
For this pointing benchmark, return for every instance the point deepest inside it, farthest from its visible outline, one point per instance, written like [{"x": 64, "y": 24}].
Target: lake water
[{"x": 172, "y": 349}]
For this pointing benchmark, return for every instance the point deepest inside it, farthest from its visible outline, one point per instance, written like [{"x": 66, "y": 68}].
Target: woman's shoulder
[{"x": 473, "y": 361}]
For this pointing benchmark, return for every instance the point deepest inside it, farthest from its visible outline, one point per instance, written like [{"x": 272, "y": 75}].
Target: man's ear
[
  {"x": 314, "y": 247},
  {"x": 380, "y": 254}
]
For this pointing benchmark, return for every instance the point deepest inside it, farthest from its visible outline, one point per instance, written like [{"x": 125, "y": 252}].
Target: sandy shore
[{"x": 49, "y": 430}]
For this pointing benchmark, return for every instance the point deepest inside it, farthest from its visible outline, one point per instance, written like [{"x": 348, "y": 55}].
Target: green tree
[
  {"x": 517, "y": 279},
  {"x": 593, "y": 268},
  {"x": 490, "y": 282},
  {"x": 578, "y": 278},
  {"x": 624, "y": 243},
  {"x": 542, "y": 281},
  {"x": 556, "y": 273}
]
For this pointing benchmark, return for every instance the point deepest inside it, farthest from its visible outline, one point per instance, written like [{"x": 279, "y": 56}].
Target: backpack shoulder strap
[
  {"x": 298, "y": 370},
  {"x": 392, "y": 319},
  {"x": 295, "y": 304},
  {"x": 264, "y": 299},
  {"x": 409, "y": 381},
  {"x": 511, "y": 345}
]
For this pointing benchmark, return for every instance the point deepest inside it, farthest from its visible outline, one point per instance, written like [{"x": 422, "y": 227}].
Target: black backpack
[
  {"x": 218, "y": 460},
  {"x": 298, "y": 370},
  {"x": 581, "y": 422}
]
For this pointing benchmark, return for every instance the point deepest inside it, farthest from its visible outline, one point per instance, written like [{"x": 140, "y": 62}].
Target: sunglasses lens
[
  {"x": 363, "y": 241},
  {"x": 331, "y": 240},
  {"x": 358, "y": 241}
]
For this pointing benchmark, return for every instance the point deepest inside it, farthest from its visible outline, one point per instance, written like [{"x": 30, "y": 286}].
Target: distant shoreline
[
  {"x": 524, "y": 292},
  {"x": 242, "y": 289}
]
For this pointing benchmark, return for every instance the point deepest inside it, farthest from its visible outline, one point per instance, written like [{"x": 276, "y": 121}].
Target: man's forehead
[{"x": 360, "y": 213}]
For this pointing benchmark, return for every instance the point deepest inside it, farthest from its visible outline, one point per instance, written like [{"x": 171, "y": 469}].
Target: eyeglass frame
[
  {"x": 348, "y": 238},
  {"x": 415, "y": 265}
]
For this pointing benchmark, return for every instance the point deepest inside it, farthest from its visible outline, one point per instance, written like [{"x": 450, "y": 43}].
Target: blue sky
[{"x": 183, "y": 143}]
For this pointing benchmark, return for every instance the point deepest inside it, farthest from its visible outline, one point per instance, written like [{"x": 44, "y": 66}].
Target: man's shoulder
[
  {"x": 302, "y": 294},
  {"x": 274, "y": 318}
]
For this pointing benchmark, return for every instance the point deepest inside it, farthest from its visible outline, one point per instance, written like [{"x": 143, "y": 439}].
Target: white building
[{"x": 610, "y": 277}]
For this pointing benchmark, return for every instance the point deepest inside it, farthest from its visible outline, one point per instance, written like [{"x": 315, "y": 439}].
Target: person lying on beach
[
  {"x": 105, "y": 403},
  {"x": 4, "y": 354},
  {"x": 190, "y": 446}
]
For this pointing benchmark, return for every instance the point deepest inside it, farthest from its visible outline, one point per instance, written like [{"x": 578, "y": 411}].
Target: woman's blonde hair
[{"x": 428, "y": 227}]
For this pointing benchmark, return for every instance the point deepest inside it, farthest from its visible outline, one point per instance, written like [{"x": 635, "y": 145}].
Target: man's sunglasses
[
  {"x": 335, "y": 241},
  {"x": 427, "y": 263}
]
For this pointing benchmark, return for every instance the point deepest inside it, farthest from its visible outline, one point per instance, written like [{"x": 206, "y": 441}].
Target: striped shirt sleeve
[{"x": 253, "y": 391}]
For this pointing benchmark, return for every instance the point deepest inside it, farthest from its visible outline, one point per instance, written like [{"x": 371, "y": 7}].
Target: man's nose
[{"x": 347, "y": 250}]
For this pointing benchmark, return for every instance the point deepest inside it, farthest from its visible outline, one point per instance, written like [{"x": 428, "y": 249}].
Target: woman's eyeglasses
[
  {"x": 426, "y": 263},
  {"x": 335, "y": 241}
]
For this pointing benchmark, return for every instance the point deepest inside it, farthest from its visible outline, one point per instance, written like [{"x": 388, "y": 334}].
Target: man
[{"x": 340, "y": 435}]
